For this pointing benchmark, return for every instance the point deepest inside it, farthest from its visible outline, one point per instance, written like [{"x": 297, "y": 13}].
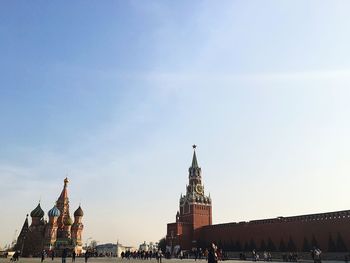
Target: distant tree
[
  {"x": 341, "y": 247},
  {"x": 306, "y": 245},
  {"x": 331, "y": 244},
  {"x": 282, "y": 246},
  {"x": 291, "y": 246},
  {"x": 93, "y": 244},
  {"x": 263, "y": 245},
  {"x": 270, "y": 245},
  {"x": 162, "y": 244}
]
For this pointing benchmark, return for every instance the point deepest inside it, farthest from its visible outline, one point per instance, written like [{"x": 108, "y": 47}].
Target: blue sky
[{"x": 114, "y": 94}]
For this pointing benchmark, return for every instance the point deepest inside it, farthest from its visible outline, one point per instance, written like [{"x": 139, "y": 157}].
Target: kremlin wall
[{"x": 193, "y": 227}]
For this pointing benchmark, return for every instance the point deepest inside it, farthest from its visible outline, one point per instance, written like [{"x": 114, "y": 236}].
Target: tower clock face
[{"x": 199, "y": 189}]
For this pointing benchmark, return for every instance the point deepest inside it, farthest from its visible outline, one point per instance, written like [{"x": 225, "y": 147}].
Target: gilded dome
[
  {"x": 54, "y": 212},
  {"x": 79, "y": 212},
  {"x": 68, "y": 221},
  {"x": 37, "y": 212}
]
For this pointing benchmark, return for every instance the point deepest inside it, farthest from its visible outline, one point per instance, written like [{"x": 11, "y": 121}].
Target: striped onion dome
[
  {"x": 79, "y": 212},
  {"x": 37, "y": 212},
  {"x": 54, "y": 212}
]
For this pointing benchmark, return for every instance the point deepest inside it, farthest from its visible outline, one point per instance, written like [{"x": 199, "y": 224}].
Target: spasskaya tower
[{"x": 195, "y": 212}]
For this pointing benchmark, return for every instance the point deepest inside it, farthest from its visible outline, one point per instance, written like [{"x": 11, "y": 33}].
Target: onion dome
[
  {"x": 37, "y": 212},
  {"x": 68, "y": 221},
  {"x": 54, "y": 212},
  {"x": 79, "y": 212}
]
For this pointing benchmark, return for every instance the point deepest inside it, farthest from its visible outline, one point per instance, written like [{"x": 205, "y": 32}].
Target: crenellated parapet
[{"x": 330, "y": 216}]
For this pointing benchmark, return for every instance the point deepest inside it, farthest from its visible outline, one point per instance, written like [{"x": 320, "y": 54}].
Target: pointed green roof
[{"x": 194, "y": 158}]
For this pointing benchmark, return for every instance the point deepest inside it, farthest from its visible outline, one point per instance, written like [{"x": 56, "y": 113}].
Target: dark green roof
[
  {"x": 79, "y": 212},
  {"x": 37, "y": 212},
  {"x": 194, "y": 160}
]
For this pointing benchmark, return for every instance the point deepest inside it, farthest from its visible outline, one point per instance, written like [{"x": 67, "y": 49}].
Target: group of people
[
  {"x": 143, "y": 255},
  {"x": 266, "y": 256},
  {"x": 64, "y": 255},
  {"x": 199, "y": 253}
]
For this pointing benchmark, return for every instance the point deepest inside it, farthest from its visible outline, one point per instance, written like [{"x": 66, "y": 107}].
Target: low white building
[
  {"x": 108, "y": 249},
  {"x": 149, "y": 247},
  {"x": 113, "y": 250},
  {"x": 121, "y": 248}
]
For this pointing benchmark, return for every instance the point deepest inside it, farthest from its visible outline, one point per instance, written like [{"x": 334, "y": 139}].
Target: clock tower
[{"x": 195, "y": 210}]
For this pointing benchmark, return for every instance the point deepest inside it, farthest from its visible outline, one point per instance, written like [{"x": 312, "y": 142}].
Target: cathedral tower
[
  {"x": 77, "y": 227},
  {"x": 51, "y": 228},
  {"x": 64, "y": 218},
  {"x": 37, "y": 216}
]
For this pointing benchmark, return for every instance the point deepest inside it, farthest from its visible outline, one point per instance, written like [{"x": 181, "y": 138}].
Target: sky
[{"x": 113, "y": 94}]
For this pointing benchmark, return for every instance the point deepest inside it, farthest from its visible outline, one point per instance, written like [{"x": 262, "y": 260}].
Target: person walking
[
  {"x": 73, "y": 255},
  {"x": 43, "y": 255},
  {"x": 86, "y": 256},
  {"x": 52, "y": 254},
  {"x": 212, "y": 256},
  {"x": 159, "y": 256},
  {"x": 64, "y": 255}
]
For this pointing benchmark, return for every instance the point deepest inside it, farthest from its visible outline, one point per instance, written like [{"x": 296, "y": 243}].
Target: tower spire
[
  {"x": 63, "y": 205},
  {"x": 194, "y": 170},
  {"x": 64, "y": 193},
  {"x": 194, "y": 158}
]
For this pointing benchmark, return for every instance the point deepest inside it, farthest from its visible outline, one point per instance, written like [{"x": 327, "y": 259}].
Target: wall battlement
[{"x": 302, "y": 218}]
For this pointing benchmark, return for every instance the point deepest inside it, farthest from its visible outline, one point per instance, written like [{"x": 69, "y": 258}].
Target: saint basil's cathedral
[{"x": 59, "y": 232}]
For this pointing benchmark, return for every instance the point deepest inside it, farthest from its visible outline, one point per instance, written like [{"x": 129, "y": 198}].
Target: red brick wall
[
  {"x": 296, "y": 229},
  {"x": 179, "y": 234},
  {"x": 201, "y": 215}
]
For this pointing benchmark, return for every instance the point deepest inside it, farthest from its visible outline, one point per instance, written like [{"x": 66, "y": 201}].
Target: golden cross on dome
[{"x": 66, "y": 181}]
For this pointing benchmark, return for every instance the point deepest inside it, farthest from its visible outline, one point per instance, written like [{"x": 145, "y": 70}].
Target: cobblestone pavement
[
  {"x": 119, "y": 260},
  {"x": 109, "y": 260},
  {"x": 102, "y": 260}
]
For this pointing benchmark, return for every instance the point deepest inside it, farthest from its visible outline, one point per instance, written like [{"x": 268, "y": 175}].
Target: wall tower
[{"x": 195, "y": 211}]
